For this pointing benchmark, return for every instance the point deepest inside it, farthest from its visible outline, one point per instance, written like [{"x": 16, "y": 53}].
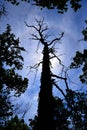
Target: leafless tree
[{"x": 48, "y": 79}]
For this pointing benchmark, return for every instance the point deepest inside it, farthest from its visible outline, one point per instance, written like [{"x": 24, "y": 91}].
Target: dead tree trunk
[
  {"x": 46, "y": 102},
  {"x": 45, "y": 120}
]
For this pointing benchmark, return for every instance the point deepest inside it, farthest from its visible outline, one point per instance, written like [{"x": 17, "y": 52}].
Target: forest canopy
[
  {"x": 61, "y": 6},
  {"x": 53, "y": 112}
]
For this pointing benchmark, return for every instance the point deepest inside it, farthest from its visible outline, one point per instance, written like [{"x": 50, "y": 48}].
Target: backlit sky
[{"x": 70, "y": 23}]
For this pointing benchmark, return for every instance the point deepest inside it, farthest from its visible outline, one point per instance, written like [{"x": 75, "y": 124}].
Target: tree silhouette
[
  {"x": 74, "y": 103},
  {"x": 46, "y": 100},
  {"x": 11, "y": 60}
]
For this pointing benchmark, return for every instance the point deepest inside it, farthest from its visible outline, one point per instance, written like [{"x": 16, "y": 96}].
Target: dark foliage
[
  {"x": 61, "y": 5},
  {"x": 84, "y": 32},
  {"x": 5, "y": 106},
  {"x": 2, "y": 11},
  {"x": 15, "y": 124},
  {"x": 80, "y": 59},
  {"x": 78, "y": 114},
  {"x": 61, "y": 115},
  {"x": 10, "y": 61},
  {"x": 33, "y": 123},
  {"x": 17, "y": 2},
  {"x": 64, "y": 117}
]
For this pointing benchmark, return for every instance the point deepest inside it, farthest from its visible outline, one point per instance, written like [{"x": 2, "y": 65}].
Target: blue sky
[{"x": 70, "y": 23}]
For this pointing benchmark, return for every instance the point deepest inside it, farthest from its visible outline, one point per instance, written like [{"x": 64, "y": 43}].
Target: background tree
[
  {"x": 11, "y": 60},
  {"x": 78, "y": 115},
  {"x": 80, "y": 60}
]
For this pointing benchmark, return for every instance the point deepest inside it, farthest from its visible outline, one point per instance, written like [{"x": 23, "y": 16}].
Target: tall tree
[
  {"x": 46, "y": 104},
  {"x": 72, "y": 110},
  {"x": 46, "y": 100}
]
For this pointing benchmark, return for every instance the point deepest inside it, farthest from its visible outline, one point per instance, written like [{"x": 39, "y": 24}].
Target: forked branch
[
  {"x": 59, "y": 77},
  {"x": 56, "y": 39}
]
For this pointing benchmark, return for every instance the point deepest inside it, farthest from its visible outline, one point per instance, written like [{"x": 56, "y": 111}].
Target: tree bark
[{"x": 46, "y": 102}]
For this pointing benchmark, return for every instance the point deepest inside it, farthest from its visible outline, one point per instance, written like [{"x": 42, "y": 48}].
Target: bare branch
[
  {"x": 59, "y": 77},
  {"x": 37, "y": 47},
  {"x": 59, "y": 89},
  {"x": 36, "y": 65},
  {"x": 31, "y": 26},
  {"x": 56, "y": 39},
  {"x": 40, "y": 28},
  {"x": 35, "y": 37},
  {"x": 70, "y": 105}
]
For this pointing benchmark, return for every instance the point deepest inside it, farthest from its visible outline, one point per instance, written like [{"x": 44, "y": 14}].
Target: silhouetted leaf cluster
[
  {"x": 80, "y": 60},
  {"x": 15, "y": 124},
  {"x": 2, "y": 10},
  {"x": 61, "y": 5},
  {"x": 5, "y": 106},
  {"x": 17, "y": 2},
  {"x": 78, "y": 114},
  {"x": 84, "y": 32}
]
